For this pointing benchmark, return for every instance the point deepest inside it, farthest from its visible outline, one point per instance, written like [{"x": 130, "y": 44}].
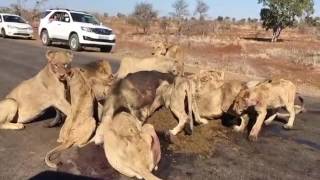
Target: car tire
[
  {"x": 74, "y": 43},
  {"x": 45, "y": 38},
  {"x": 106, "y": 49},
  {"x": 3, "y": 33}
]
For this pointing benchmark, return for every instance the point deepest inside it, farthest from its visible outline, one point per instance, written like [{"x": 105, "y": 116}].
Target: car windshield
[
  {"x": 84, "y": 18},
  {"x": 15, "y": 19}
]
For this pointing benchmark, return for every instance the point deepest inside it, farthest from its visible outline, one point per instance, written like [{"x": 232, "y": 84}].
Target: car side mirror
[{"x": 67, "y": 19}]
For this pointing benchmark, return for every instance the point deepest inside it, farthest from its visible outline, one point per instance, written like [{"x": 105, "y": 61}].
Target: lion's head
[{"x": 60, "y": 63}]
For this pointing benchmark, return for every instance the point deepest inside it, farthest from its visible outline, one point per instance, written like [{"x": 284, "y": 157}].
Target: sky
[{"x": 232, "y": 8}]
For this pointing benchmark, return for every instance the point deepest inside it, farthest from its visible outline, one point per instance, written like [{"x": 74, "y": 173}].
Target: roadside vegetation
[{"x": 236, "y": 45}]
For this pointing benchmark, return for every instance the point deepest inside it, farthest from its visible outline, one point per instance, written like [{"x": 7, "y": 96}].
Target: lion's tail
[
  {"x": 189, "y": 99},
  {"x": 57, "y": 149}
]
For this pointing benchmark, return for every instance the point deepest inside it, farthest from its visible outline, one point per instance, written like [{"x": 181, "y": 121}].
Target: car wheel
[
  {"x": 74, "y": 43},
  {"x": 106, "y": 49},
  {"x": 3, "y": 33},
  {"x": 45, "y": 38}
]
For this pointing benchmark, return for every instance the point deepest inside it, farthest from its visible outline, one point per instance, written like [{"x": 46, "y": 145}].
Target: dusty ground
[{"x": 212, "y": 152}]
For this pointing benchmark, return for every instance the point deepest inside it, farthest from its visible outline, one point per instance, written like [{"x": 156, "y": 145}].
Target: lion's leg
[
  {"x": 8, "y": 110},
  {"x": 196, "y": 113},
  {"x": 292, "y": 114},
  {"x": 64, "y": 106},
  {"x": 257, "y": 126},
  {"x": 244, "y": 123},
  {"x": 182, "y": 118},
  {"x": 270, "y": 119}
]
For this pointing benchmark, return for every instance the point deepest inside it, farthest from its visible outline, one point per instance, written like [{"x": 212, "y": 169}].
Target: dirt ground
[{"x": 216, "y": 152}]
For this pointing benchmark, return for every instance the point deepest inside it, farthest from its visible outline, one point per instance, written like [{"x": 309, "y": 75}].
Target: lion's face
[
  {"x": 101, "y": 86},
  {"x": 159, "y": 49},
  {"x": 244, "y": 100},
  {"x": 60, "y": 63},
  {"x": 102, "y": 79}
]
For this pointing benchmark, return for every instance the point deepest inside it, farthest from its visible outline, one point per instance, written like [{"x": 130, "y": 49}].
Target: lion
[
  {"x": 175, "y": 52},
  {"x": 132, "y": 149},
  {"x": 270, "y": 94},
  {"x": 87, "y": 86},
  {"x": 32, "y": 97},
  {"x": 161, "y": 64}
]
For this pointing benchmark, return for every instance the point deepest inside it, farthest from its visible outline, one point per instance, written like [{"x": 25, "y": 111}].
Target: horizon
[{"x": 232, "y": 9}]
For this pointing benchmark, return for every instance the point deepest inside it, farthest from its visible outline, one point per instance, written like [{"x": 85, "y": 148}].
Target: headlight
[
  {"x": 12, "y": 27},
  {"x": 30, "y": 28},
  {"x": 86, "y": 29}
]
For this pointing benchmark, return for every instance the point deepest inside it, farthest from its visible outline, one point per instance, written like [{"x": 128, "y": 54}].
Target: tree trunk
[{"x": 276, "y": 33}]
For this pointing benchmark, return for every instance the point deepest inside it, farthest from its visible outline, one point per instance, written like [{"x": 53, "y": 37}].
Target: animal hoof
[
  {"x": 20, "y": 126},
  {"x": 188, "y": 130},
  {"x": 204, "y": 121},
  {"x": 253, "y": 138},
  {"x": 287, "y": 127},
  {"x": 237, "y": 128},
  {"x": 267, "y": 123}
]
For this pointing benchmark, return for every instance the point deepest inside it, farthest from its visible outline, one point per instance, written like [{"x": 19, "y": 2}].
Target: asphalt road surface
[{"x": 278, "y": 154}]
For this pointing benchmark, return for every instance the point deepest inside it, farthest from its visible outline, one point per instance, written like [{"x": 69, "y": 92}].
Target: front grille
[
  {"x": 21, "y": 34},
  {"x": 102, "y": 31},
  {"x": 22, "y": 29},
  {"x": 99, "y": 40}
]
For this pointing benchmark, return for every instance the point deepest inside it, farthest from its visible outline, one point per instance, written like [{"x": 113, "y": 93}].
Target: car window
[
  {"x": 60, "y": 16},
  {"x": 84, "y": 18},
  {"x": 15, "y": 19},
  {"x": 0, "y": 18},
  {"x": 44, "y": 14}
]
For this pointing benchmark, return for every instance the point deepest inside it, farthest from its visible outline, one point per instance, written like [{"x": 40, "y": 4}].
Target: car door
[
  {"x": 54, "y": 25},
  {"x": 1, "y": 23},
  {"x": 64, "y": 26}
]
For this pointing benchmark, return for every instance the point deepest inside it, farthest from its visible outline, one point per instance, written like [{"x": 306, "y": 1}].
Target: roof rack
[
  {"x": 69, "y": 10},
  {"x": 59, "y": 9}
]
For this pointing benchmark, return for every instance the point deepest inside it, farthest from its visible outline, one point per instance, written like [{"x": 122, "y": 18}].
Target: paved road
[{"x": 278, "y": 154}]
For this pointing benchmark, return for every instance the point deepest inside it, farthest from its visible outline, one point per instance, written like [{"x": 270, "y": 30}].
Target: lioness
[
  {"x": 161, "y": 64},
  {"x": 175, "y": 52},
  {"x": 268, "y": 94},
  {"x": 130, "y": 148},
  {"x": 86, "y": 85},
  {"x": 46, "y": 89}
]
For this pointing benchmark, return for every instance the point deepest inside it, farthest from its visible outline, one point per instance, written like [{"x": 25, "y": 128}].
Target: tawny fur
[
  {"x": 32, "y": 97},
  {"x": 130, "y": 148}
]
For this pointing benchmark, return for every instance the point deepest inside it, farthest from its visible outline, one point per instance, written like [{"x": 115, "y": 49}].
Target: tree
[
  {"x": 164, "y": 24},
  {"x": 143, "y": 15},
  {"x": 201, "y": 9},
  {"x": 36, "y": 12},
  {"x": 180, "y": 12},
  {"x": 279, "y": 14},
  {"x": 220, "y": 19},
  {"x": 180, "y": 9}
]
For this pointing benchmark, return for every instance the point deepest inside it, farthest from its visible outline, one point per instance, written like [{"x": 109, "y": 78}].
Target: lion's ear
[{"x": 50, "y": 54}]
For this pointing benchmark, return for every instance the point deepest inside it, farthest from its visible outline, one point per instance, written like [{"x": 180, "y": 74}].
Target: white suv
[
  {"x": 14, "y": 26},
  {"x": 77, "y": 28}
]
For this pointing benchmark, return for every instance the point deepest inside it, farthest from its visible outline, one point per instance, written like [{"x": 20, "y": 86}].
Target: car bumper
[
  {"x": 97, "y": 40},
  {"x": 19, "y": 33}
]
